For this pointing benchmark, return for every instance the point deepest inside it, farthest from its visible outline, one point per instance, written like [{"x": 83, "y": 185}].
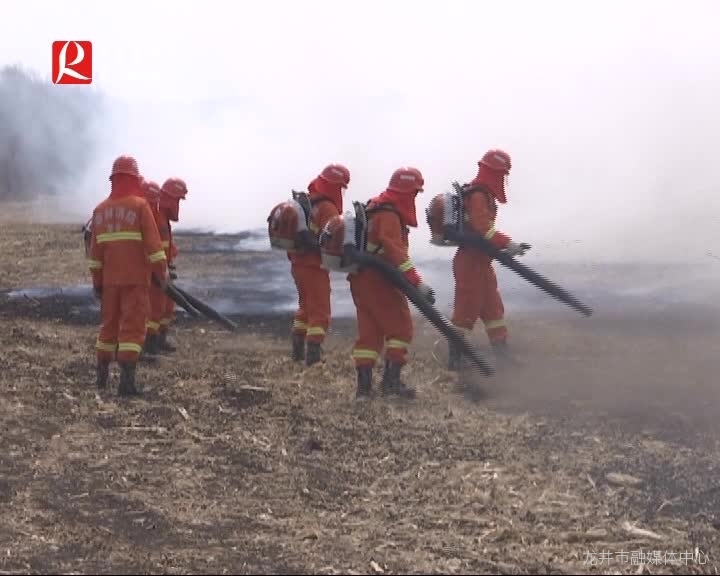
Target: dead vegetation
[{"x": 238, "y": 461}]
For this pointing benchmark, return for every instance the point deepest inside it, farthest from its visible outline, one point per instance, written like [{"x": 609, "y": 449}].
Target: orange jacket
[
  {"x": 124, "y": 241},
  {"x": 480, "y": 213},
  {"x": 388, "y": 238},
  {"x": 322, "y": 211}
]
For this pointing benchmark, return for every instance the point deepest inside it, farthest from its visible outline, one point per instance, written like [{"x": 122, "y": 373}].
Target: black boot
[
  {"x": 163, "y": 344},
  {"x": 314, "y": 353},
  {"x": 102, "y": 372},
  {"x": 152, "y": 344},
  {"x": 392, "y": 385},
  {"x": 454, "y": 357},
  {"x": 503, "y": 355},
  {"x": 127, "y": 385},
  {"x": 500, "y": 347},
  {"x": 364, "y": 382},
  {"x": 298, "y": 346}
]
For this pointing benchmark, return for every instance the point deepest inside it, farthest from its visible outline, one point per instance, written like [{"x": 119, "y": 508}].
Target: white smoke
[
  {"x": 609, "y": 110},
  {"x": 47, "y": 137}
]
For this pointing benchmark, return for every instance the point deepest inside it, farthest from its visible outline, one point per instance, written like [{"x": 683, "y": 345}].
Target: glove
[
  {"x": 171, "y": 266},
  {"x": 514, "y": 249},
  {"x": 97, "y": 290},
  {"x": 426, "y": 292},
  {"x": 173, "y": 276}
]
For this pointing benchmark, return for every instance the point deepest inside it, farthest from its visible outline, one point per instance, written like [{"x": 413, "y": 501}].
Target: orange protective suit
[
  {"x": 383, "y": 315},
  {"x": 124, "y": 242},
  {"x": 312, "y": 318},
  {"x": 162, "y": 306},
  {"x": 173, "y": 190},
  {"x": 476, "y": 289},
  {"x": 157, "y": 295}
]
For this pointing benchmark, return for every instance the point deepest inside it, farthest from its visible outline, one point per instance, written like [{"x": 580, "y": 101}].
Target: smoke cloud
[
  {"x": 48, "y": 137},
  {"x": 609, "y": 110}
]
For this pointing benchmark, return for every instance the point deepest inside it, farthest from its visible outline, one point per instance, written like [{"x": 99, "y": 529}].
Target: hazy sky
[{"x": 609, "y": 109}]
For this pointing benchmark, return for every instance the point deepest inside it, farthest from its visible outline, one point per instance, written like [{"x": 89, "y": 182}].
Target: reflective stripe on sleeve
[
  {"x": 406, "y": 266},
  {"x": 157, "y": 256}
]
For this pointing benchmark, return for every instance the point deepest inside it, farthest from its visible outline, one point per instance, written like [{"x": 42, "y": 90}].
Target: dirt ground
[{"x": 596, "y": 453}]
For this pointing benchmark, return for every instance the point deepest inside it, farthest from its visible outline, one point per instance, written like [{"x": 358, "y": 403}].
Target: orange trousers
[
  {"x": 313, "y": 314},
  {"x": 157, "y": 310},
  {"x": 383, "y": 319},
  {"x": 477, "y": 295},
  {"x": 124, "y": 311},
  {"x": 168, "y": 313}
]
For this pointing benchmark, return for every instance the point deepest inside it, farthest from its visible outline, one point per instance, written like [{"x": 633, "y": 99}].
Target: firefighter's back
[{"x": 118, "y": 226}]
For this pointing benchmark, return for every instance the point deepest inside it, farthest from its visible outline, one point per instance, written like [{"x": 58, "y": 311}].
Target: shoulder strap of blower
[
  {"x": 384, "y": 207},
  {"x": 307, "y": 203},
  {"x": 317, "y": 200},
  {"x": 467, "y": 189},
  {"x": 380, "y": 208}
]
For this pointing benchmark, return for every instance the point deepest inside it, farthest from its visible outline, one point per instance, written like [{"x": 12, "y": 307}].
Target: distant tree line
[{"x": 47, "y": 134}]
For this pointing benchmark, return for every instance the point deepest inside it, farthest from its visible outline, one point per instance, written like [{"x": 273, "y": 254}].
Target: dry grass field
[{"x": 596, "y": 453}]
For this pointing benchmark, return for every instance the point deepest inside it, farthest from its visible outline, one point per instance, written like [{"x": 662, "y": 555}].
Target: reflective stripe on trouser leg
[
  {"x": 299, "y": 327},
  {"x": 396, "y": 350},
  {"x": 131, "y": 347},
  {"x": 496, "y": 330},
  {"x": 152, "y": 327},
  {"x": 315, "y": 334},
  {"x": 365, "y": 357},
  {"x": 105, "y": 350}
]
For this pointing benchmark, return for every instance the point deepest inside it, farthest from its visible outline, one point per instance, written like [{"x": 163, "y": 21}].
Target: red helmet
[
  {"x": 336, "y": 174},
  {"x": 406, "y": 180},
  {"x": 174, "y": 188},
  {"x": 496, "y": 160},
  {"x": 152, "y": 191},
  {"x": 125, "y": 165}
]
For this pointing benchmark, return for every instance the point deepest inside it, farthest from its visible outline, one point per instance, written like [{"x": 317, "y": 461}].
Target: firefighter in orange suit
[
  {"x": 172, "y": 191},
  {"x": 124, "y": 241},
  {"x": 476, "y": 289},
  {"x": 157, "y": 296},
  {"x": 312, "y": 317},
  {"x": 383, "y": 315}
]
